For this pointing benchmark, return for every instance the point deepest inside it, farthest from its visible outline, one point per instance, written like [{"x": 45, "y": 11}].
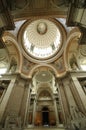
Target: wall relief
[{"x": 27, "y": 65}]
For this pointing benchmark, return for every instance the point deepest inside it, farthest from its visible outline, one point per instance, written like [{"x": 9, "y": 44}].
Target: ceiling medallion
[{"x": 41, "y": 28}]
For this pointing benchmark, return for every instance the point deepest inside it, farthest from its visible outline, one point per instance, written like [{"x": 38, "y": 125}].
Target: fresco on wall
[
  {"x": 59, "y": 65},
  {"x": 27, "y": 65}
]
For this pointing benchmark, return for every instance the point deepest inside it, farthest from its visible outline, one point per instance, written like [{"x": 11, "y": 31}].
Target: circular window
[{"x": 42, "y": 38}]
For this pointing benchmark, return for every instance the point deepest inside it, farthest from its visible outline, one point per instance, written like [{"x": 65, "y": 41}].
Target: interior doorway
[{"x": 45, "y": 116}]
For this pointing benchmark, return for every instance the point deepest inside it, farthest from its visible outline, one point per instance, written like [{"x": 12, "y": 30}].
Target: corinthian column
[{"x": 34, "y": 112}]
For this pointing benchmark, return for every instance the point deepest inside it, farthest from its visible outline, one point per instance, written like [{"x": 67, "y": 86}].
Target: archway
[{"x": 45, "y": 116}]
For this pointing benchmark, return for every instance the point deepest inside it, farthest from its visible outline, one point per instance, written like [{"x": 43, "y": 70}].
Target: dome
[
  {"x": 43, "y": 76},
  {"x": 42, "y": 38}
]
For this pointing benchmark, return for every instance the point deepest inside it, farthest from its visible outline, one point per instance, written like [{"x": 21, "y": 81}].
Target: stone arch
[
  {"x": 36, "y": 67},
  {"x": 74, "y": 35},
  {"x": 48, "y": 89},
  {"x": 10, "y": 41}
]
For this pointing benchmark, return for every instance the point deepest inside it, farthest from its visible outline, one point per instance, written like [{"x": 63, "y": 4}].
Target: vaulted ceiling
[{"x": 16, "y": 18}]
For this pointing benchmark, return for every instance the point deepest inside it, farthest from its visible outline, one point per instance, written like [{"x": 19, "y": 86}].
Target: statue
[
  {"x": 73, "y": 62},
  {"x": 13, "y": 65}
]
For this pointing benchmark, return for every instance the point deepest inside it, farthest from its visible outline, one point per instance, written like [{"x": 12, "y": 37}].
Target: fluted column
[
  {"x": 76, "y": 96},
  {"x": 64, "y": 103},
  {"x": 56, "y": 112},
  {"x": 6, "y": 97},
  {"x": 34, "y": 112},
  {"x": 27, "y": 105},
  {"x": 70, "y": 99},
  {"x": 80, "y": 91}
]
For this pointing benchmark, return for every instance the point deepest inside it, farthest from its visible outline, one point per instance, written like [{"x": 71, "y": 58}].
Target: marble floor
[{"x": 45, "y": 128}]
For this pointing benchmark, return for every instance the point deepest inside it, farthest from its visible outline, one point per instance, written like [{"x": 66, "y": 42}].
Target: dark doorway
[{"x": 45, "y": 116}]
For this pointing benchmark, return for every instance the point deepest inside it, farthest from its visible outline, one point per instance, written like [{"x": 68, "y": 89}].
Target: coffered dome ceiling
[
  {"x": 43, "y": 76},
  {"x": 41, "y": 38}
]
